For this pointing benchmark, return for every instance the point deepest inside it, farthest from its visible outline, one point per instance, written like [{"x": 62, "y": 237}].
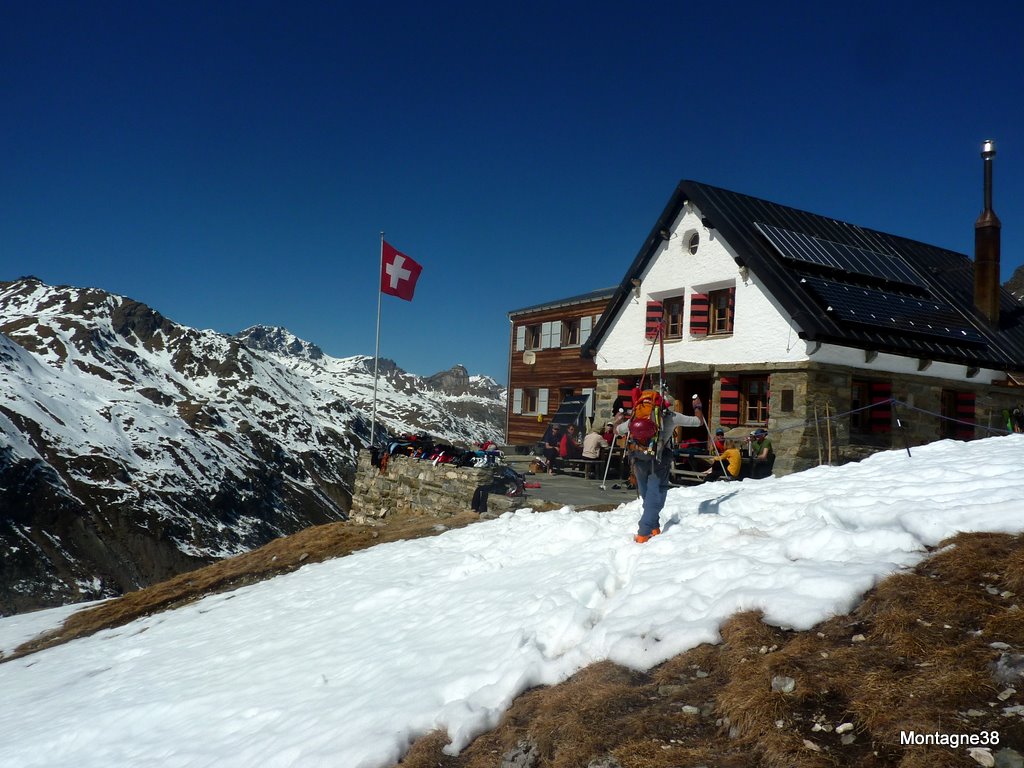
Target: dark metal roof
[
  {"x": 583, "y": 298},
  {"x": 945, "y": 279}
]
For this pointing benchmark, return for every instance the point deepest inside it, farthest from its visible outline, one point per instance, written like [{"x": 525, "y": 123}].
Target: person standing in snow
[{"x": 652, "y": 469}]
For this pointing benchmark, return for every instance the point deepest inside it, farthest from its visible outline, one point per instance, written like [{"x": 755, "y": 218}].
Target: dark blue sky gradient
[{"x": 234, "y": 163}]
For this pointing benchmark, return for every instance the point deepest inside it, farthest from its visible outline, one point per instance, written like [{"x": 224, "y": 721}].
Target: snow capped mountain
[
  {"x": 451, "y": 404},
  {"x": 133, "y": 448}
]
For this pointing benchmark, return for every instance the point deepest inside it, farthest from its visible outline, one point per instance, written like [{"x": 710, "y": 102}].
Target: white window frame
[
  {"x": 521, "y": 399},
  {"x": 551, "y": 335}
]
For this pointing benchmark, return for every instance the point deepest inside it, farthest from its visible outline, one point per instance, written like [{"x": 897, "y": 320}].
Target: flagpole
[{"x": 376, "y": 350}]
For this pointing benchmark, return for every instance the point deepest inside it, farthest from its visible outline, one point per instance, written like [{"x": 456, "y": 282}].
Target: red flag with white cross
[{"x": 398, "y": 273}]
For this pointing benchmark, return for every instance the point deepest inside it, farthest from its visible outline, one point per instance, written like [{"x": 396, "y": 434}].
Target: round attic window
[{"x": 693, "y": 242}]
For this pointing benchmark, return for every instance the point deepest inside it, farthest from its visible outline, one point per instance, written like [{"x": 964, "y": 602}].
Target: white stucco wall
[{"x": 763, "y": 333}]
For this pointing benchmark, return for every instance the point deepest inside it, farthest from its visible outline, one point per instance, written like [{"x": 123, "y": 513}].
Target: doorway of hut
[{"x": 682, "y": 387}]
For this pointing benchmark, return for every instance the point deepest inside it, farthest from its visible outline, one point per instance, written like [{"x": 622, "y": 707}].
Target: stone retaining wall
[{"x": 410, "y": 485}]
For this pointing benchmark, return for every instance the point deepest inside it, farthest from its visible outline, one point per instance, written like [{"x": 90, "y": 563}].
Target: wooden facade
[{"x": 545, "y": 364}]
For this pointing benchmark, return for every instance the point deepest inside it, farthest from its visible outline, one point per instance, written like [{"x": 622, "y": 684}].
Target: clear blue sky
[{"x": 233, "y": 163}]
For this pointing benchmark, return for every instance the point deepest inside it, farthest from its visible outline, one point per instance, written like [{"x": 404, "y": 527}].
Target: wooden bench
[
  {"x": 686, "y": 476},
  {"x": 581, "y": 466}
]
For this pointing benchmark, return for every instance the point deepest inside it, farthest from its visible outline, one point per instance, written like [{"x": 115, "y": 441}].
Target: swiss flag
[{"x": 398, "y": 273}]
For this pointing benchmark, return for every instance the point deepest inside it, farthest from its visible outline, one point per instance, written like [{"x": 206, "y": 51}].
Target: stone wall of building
[
  {"x": 410, "y": 485},
  {"x": 802, "y": 394}
]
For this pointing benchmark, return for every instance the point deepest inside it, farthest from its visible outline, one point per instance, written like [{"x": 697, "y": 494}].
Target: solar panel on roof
[
  {"x": 797, "y": 246},
  {"x": 881, "y": 309}
]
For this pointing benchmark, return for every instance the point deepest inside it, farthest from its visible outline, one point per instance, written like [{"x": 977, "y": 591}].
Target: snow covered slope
[{"x": 133, "y": 448}]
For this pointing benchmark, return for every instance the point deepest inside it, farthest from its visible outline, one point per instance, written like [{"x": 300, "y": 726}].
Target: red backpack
[{"x": 645, "y": 423}]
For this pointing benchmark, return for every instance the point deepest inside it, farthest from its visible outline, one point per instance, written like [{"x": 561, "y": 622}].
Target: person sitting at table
[
  {"x": 762, "y": 453},
  {"x": 551, "y": 446},
  {"x": 593, "y": 443},
  {"x": 718, "y": 442},
  {"x": 733, "y": 461},
  {"x": 568, "y": 446}
]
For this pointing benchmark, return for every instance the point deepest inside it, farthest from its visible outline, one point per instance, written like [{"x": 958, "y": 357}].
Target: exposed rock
[
  {"x": 782, "y": 684},
  {"x": 1008, "y": 669},
  {"x": 524, "y": 755}
]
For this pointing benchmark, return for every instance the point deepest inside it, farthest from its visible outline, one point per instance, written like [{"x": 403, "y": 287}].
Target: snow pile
[{"x": 346, "y": 662}]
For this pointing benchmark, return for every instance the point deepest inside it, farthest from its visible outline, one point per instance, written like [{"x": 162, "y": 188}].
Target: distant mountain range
[{"x": 133, "y": 448}]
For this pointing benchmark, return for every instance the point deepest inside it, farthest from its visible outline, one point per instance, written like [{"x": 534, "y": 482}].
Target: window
[
  {"x": 693, "y": 243},
  {"x": 533, "y": 336},
  {"x": 571, "y": 333},
  {"x": 711, "y": 314},
  {"x": 529, "y": 402},
  {"x": 674, "y": 317},
  {"x": 871, "y": 404},
  {"x": 860, "y": 421},
  {"x": 754, "y": 399},
  {"x": 721, "y": 310},
  {"x": 958, "y": 411}
]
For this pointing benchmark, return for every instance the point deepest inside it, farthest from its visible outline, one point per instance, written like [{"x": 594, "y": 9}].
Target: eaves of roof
[{"x": 583, "y": 298}]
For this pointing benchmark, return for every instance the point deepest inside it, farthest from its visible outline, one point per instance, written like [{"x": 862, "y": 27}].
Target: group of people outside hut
[
  {"x": 565, "y": 443},
  {"x": 651, "y": 466},
  {"x": 727, "y": 457}
]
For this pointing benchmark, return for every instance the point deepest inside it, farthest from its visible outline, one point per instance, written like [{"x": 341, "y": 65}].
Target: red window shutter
[
  {"x": 880, "y": 393},
  {"x": 626, "y": 392},
  {"x": 655, "y": 316},
  {"x": 732, "y": 309},
  {"x": 729, "y": 412},
  {"x": 965, "y": 412},
  {"x": 699, "y": 307}
]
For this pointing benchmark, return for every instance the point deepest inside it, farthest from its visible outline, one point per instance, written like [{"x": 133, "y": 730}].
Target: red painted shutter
[
  {"x": 699, "y": 314},
  {"x": 626, "y": 392},
  {"x": 880, "y": 393},
  {"x": 729, "y": 412},
  {"x": 965, "y": 412},
  {"x": 655, "y": 316},
  {"x": 732, "y": 310}
]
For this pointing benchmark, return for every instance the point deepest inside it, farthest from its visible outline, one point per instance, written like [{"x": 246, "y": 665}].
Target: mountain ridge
[{"x": 133, "y": 448}]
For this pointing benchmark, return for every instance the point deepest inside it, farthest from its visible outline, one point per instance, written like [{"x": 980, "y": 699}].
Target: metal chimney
[{"x": 986, "y": 247}]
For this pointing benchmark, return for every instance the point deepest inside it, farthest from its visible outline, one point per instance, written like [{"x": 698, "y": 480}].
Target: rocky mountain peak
[
  {"x": 454, "y": 381},
  {"x": 281, "y": 341}
]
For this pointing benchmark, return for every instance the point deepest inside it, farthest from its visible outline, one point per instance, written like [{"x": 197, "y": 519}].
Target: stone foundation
[
  {"x": 410, "y": 485},
  {"x": 805, "y": 389}
]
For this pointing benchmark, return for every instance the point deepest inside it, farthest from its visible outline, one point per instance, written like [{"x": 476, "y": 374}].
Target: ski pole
[
  {"x": 698, "y": 408},
  {"x": 608, "y": 464}
]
